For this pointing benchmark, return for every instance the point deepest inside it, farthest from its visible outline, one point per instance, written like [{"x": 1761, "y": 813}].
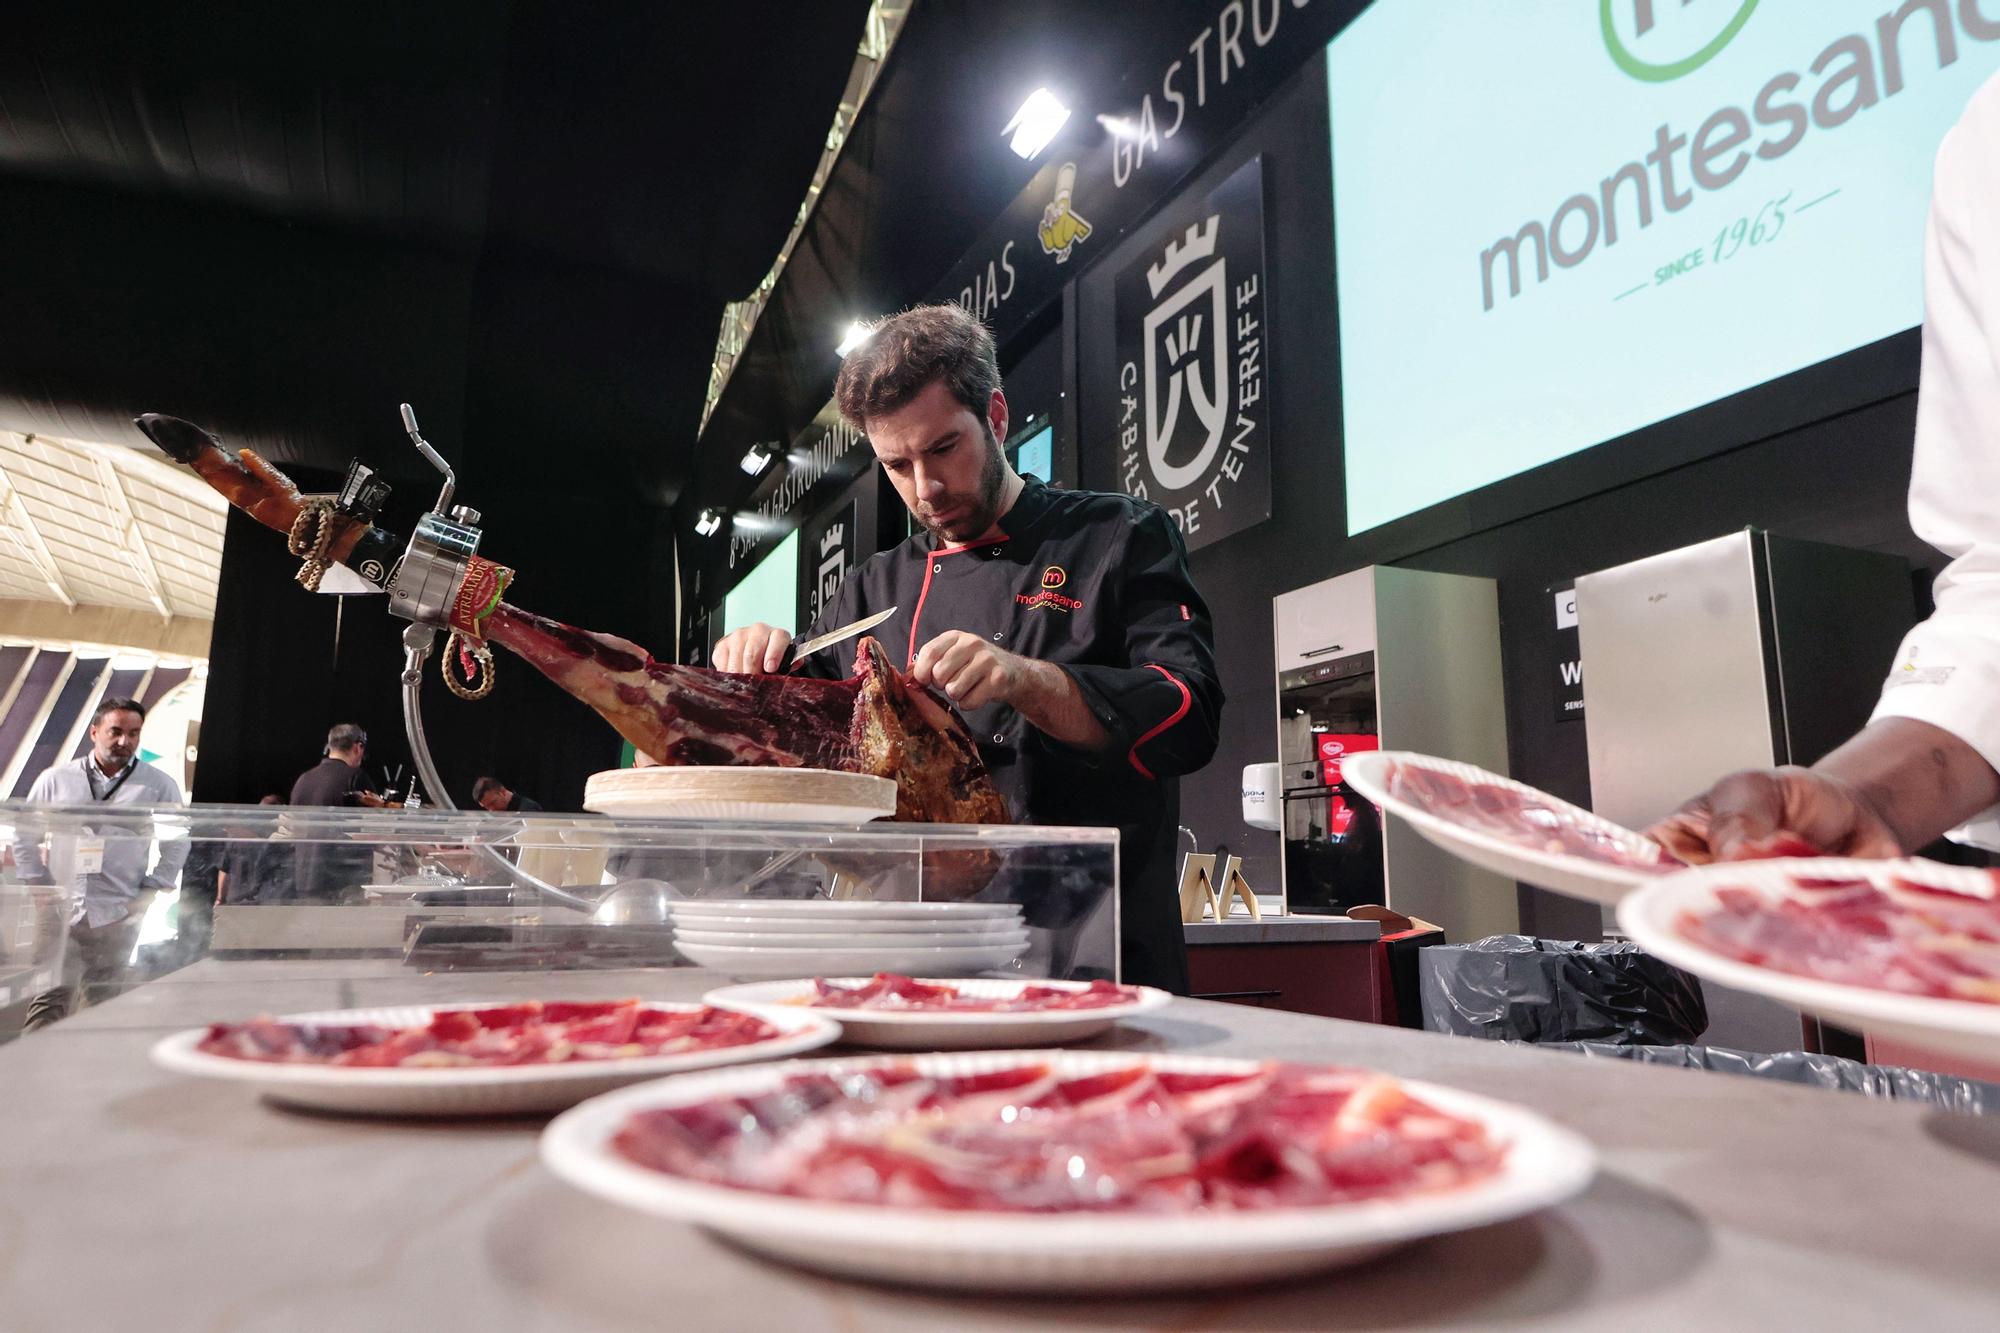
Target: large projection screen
[
  {"x": 1560, "y": 221},
  {"x": 769, "y": 593}
]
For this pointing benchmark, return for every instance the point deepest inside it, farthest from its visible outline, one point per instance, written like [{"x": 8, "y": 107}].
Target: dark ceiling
[
  {"x": 281, "y": 220},
  {"x": 924, "y": 174}
]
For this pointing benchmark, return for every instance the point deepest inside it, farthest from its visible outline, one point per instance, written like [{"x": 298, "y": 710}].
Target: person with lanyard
[
  {"x": 111, "y": 867},
  {"x": 1062, "y": 626}
]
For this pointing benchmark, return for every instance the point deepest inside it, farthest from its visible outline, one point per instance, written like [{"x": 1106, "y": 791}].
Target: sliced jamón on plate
[
  {"x": 481, "y": 1059},
  {"x": 896, "y": 1012},
  {"x": 1065, "y": 1171},
  {"x": 891, "y": 992},
  {"x": 1508, "y": 827},
  {"x": 530, "y": 1033},
  {"x": 1904, "y": 949}
]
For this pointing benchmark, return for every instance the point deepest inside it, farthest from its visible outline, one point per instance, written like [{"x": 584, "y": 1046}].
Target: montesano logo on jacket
[{"x": 1054, "y": 577}]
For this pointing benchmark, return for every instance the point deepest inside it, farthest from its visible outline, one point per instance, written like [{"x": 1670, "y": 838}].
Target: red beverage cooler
[
  {"x": 1333, "y": 853},
  {"x": 1333, "y": 747}
]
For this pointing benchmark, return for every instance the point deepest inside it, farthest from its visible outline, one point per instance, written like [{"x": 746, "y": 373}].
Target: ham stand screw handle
[
  {"x": 443, "y": 506},
  {"x": 421, "y": 591}
]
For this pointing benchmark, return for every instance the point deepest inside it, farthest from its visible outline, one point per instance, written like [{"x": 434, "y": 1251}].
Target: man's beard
[{"x": 985, "y": 510}]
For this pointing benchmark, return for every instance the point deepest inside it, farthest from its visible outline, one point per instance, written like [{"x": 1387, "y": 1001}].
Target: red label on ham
[{"x": 1025, "y": 1139}]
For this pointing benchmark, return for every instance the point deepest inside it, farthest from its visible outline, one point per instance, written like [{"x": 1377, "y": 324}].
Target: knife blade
[{"x": 831, "y": 637}]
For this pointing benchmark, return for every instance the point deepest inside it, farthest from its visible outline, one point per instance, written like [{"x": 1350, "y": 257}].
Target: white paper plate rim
[
  {"x": 1545, "y": 1164},
  {"x": 178, "y": 1052}
]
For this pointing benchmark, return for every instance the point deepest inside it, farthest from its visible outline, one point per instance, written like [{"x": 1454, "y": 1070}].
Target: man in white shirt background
[
  {"x": 108, "y": 870},
  {"x": 1929, "y": 760}
]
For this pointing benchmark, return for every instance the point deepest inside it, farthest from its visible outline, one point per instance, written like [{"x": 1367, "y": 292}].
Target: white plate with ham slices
[
  {"x": 1905, "y": 949},
  {"x": 1065, "y": 1171},
  {"x": 1509, "y": 827},
  {"x": 289, "y": 1058},
  {"x": 934, "y": 1014}
]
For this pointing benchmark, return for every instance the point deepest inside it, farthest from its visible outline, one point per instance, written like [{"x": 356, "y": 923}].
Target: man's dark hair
[
  {"x": 907, "y": 352},
  {"x": 345, "y": 736},
  {"x": 482, "y": 785},
  {"x": 119, "y": 705}
]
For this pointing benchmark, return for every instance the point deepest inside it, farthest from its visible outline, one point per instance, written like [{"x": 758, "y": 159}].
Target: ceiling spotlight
[
  {"x": 707, "y": 523},
  {"x": 758, "y": 458},
  {"x": 857, "y": 333},
  {"x": 1036, "y": 122}
]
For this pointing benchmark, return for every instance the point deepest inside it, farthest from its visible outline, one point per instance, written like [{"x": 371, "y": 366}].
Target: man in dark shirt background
[
  {"x": 489, "y": 793},
  {"x": 332, "y": 868}
]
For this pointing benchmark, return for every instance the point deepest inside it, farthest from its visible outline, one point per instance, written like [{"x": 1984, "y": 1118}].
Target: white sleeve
[
  {"x": 173, "y": 852},
  {"x": 1948, "y": 670}
]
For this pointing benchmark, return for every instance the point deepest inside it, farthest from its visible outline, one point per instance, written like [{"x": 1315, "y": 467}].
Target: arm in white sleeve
[{"x": 1948, "y": 670}]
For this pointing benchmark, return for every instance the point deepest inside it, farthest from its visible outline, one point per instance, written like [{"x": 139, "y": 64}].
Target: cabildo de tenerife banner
[{"x": 1558, "y": 221}]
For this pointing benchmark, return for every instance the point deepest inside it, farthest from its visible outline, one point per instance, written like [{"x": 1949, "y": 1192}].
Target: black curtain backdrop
[{"x": 277, "y": 680}]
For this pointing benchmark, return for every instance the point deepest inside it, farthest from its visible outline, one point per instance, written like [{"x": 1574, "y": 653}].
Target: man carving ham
[{"x": 1087, "y": 704}]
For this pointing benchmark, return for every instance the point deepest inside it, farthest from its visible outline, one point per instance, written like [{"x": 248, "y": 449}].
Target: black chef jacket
[{"x": 1097, "y": 584}]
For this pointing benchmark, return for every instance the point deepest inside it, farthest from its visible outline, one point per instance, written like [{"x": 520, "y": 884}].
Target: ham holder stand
[{"x": 439, "y": 583}]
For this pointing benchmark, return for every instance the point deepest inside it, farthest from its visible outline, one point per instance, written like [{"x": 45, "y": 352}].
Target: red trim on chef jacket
[
  {"x": 1187, "y": 702},
  {"x": 911, "y": 662}
]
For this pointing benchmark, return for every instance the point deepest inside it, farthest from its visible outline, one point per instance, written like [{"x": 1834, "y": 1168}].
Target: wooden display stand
[
  {"x": 1198, "y": 887},
  {"x": 1200, "y": 898}
]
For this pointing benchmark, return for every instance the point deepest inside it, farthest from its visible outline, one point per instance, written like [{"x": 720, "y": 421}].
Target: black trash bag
[
  {"x": 1516, "y": 988},
  {"x": 1946, "y": 1092}
]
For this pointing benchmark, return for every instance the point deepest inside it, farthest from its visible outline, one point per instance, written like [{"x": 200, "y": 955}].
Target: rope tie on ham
[
  {"x": 311, "y": 535},
  {"x": 467, "y": 644},
  {"x": 474, "y": 659}
]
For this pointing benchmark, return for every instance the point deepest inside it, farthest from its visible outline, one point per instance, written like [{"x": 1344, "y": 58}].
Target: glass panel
[{"x": 98, "y": 900}]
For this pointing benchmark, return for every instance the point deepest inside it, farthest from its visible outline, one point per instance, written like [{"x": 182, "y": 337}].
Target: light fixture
[
  {"x": 758, "y": 458},
  {"x": 857, "y": 333},
  {"x": 1119, "y": 128},
  {"x": 1036, "y": 122},
  {"x": 707, "y": 523}
]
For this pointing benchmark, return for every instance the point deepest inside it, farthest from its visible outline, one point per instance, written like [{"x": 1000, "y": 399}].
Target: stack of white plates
[{"x": 815, "y": 938}]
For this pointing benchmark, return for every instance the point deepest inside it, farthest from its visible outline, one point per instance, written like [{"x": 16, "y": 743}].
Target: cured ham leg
[
  {"x": 875, "y": 722},
  {"x": 244, "y": 479}
]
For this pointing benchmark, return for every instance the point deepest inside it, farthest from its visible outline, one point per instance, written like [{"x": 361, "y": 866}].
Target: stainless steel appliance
[
  {"x": 1742, "y": 652},
  {"x": 1747, "y": 651},
  {"x": 1396, "y": 659}
]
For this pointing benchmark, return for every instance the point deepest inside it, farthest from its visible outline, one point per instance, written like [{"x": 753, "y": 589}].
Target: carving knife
[{"x": 841, "y": 635}]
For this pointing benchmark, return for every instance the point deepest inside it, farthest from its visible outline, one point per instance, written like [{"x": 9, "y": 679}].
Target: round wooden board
[{"x": 809, "y": 795}]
